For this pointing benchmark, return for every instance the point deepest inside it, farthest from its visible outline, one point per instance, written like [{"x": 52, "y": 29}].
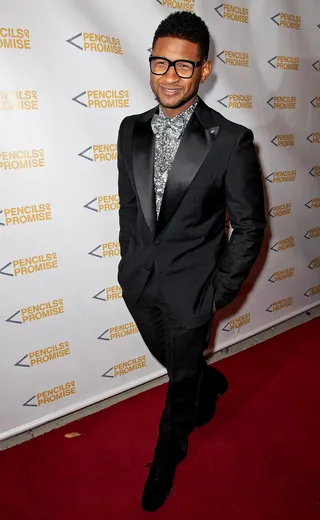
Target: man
[{"x": 181, "y": 164}]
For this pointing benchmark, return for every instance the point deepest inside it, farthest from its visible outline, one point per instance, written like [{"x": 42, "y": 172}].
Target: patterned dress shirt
[{"x": 168, "y": 133}]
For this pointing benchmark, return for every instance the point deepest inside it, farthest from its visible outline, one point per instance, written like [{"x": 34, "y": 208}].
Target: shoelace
[{"x": 158, "y": 471}]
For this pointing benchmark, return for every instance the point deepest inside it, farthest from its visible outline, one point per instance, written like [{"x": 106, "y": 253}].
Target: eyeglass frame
[{"x": 173, "y": 64}]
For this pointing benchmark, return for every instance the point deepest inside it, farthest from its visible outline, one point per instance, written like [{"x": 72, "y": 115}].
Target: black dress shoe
[
  {"x": 214, "y": 384},
  {"x": 160, "y": 479}
]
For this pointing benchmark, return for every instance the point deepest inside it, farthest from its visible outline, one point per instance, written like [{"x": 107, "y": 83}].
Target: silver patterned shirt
[{"x": 166, "y": 146}]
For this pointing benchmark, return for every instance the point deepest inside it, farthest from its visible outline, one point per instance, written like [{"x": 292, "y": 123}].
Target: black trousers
[{"x": 178, "y": 349}]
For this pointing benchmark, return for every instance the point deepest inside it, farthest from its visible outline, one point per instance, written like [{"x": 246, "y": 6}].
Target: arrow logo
[
  {"x": 92, "y": 253},
  {"x": 1, "y": 216},
  {"x": 275, "y": 247},
  {"x": 96, "y": 297},
  {"x": 316, "y": 65},
  {"x": 271, "y": 279},
  {"x": 226, "y": 328},
  {"x": 307, "y": 293},
  {"x": 313, "y": 171},
  {"x": 2, "y": 270},
  {"x": 273, "y": 141},
  {"x": 270, "y": 62},
  {"x": 10, "y": 320},
  {"x": 317, "y": 100},
  {"x": 273, "y": 18},
  {"x": 308, "y": 138},
  {"x": 307, "y": 204},
  {"x": 106, "y": 374},
  {"x": 29, "y": 400},
  {"x": 217, "y": 10},
  {"x": 19, "y": 364},
  {"x": 222, "y": 99},
  {"x": 219, "y": 56},
  {"x": 71, "y": 40},
  {"x": 270, "y": 308},
  {"x": 82, "y": 154},
  {"x": 88, "y": 205},
  {"x": 101, "y": 336},
  {"x": 76, "y": 99},
  {"x": 271, "y": 212},
  {"x": 307, "y": 234},
  {"x": 268, "y": 177},
  {"x": 268, "y": 102}
]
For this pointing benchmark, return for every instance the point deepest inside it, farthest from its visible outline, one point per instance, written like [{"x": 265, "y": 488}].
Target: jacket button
[{"x": 148, "y": 267}]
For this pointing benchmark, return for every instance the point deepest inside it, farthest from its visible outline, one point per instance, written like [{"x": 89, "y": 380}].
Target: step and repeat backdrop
[{"x": 70, "y": 72}]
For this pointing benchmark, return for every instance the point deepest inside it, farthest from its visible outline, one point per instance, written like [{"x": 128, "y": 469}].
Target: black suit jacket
[{"x": 215, "y": 168}]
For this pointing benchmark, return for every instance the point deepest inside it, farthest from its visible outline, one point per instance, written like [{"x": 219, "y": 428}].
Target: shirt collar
[{"x": 186, "y": 114}]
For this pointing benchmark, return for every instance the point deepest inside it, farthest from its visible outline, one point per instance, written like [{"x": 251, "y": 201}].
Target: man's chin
[{"x": 176, "y": 102}]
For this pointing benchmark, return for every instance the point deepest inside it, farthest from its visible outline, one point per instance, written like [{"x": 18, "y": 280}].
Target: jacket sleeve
[
  {"x": 245, "y": 204},
  {"x": 127, "y": 198}
]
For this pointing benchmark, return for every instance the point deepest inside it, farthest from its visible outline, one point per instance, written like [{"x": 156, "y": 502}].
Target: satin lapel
[
  {"x": 194, "y": 147},
  {"x": 143, "y": 160}
]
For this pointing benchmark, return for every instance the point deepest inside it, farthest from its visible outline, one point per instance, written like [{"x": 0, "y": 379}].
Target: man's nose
[{"x": 171, "y": 75}]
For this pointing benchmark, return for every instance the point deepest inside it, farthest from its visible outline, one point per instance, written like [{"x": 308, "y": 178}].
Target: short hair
[{"x": 185, "y": 26}]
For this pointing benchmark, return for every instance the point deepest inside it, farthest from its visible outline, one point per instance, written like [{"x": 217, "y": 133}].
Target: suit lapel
[
  {"x": 143, "y": 158},
  {"x": 193, "y": 149}
]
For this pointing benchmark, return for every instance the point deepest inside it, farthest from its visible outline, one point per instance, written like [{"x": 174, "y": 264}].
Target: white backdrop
[{"x": 70, "y": 72}]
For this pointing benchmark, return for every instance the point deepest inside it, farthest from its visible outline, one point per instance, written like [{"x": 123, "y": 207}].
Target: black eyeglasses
[{"x": 184, "y": 68}]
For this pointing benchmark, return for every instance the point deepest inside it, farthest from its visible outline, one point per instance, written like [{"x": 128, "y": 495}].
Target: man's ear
[{"x": 205, "y": 70}]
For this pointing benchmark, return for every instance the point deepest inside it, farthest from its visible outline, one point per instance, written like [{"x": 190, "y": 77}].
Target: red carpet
[{"x": 259, "y": 459}]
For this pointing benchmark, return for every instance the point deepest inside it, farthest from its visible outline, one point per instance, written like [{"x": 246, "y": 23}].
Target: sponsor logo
[
  {"x": 127, "y": 366},
  {"x": 283, "y": 102},
  {"x": 313, "y": 233},
  {"x": 106, "y": 250},
  {"x": 312, "y": 291},
  {"x": 119, "y": 331},
  {"x": 100, "y": 153},
  {"x": 37, "y": 312},
  {"x": 315, "y": 171},
  {"x": 315, "y": 263},
  {"x": 110, "y": 293},
  {"x": 44, "y": 355},
  {"x": 180, "y": 5},
  {"x": 103, "y": 98},
  {"x": 236, "y": 323},
  {"x": 25, "y": 214},
  {"x": 11, "y": 38},
  {"x": 280, "y": 304},
  {"x": 236, "y": 101},
  {"x": 315, "y": 102},
  {"x": 104, "y": 203},
  {"x": 30, "y": 265},
  {"x": 234, "y": 59},
  {"x": 93, "y": 42},
  {"x": 284, "y": 244},
  {"x": 51, "y": 395},
  {"x": 18, "y": 100},
  {"x": 281, "y": 275},
  {"x": 314, "y": 138},
  {"x": 281, "y": 210},
  {"x": 233, "y": 13},
  {"x": 316, "y": 65},
  {"x": 22, "y": 159},
  {"x": 313, "y": 203},
  {"x": 285, "y": 176},
  {"x": 288, "y": 21},
  {"x": 283, "y": 140},
  {"x": 285, "y": 62}
]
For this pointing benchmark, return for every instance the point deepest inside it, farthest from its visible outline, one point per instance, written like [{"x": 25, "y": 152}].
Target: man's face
[{"x": 171, "y": 90}]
